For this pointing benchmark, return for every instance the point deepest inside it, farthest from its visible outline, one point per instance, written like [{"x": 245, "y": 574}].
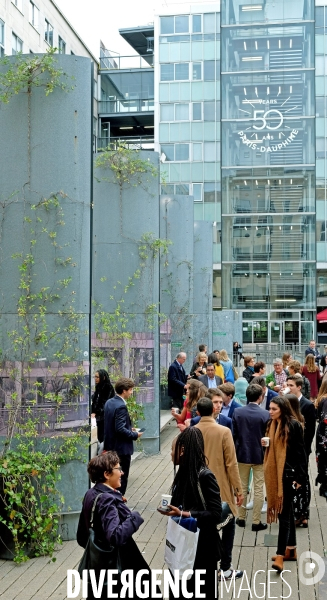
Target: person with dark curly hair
[{"x": 103, "y": 391}]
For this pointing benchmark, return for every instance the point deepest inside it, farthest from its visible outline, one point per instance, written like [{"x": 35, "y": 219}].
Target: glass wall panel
[{"x": 251, "y": 11}]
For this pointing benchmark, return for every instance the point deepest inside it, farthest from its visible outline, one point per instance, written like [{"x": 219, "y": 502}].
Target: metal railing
[
  {"x": 138, "y": 61},
  {"x": 134, "y": 143},
  {"x": 125, "y": 106}
]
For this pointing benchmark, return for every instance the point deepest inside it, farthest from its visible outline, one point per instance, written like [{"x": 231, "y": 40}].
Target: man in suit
[
  {"x": 215, "y": 395},
  {"x": 228, "y": 390},
  {"x": 177, "y": 379},
  {"x": 220, "y": 451},
  {"x": 294, "y": 383},
  {"x": 118, "y": 432},
  {"x": 210, "y": 380},
  {"x": 268, "y": 393},
  {"x": 249, "y": 426},
  {"x": 311, "y": 349}
]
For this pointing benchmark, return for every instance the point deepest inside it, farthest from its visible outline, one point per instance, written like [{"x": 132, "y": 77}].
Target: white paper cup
[
  {"x": 265, "y": 441},
  {"x": 165, "y": 501}
]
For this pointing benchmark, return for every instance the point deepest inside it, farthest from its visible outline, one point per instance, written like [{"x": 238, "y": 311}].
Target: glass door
[{"x": 276, "y": 332}]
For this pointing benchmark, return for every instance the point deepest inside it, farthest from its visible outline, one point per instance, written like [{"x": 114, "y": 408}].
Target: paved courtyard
[{"x": 39, "y": 579}]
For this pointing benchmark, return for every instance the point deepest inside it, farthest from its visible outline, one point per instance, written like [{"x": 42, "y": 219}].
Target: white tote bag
[{"x": 181, "y": 546}]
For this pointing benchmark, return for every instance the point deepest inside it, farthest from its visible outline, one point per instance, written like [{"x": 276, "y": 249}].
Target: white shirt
[{"x": 211, "y": 382}]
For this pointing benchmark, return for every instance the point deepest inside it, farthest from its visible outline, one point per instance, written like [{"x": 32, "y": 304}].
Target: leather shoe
[
  {"x": 240, "y": 522},
  {"x": 259, "y": 526}
]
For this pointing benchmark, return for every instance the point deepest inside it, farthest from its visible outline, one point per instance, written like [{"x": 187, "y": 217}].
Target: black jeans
[
  {"x": 100, "y": 426},
  {"x": 227, "y": 538},
  {"x": 286, "y": 532},
  {"x": 125, "y": 463}
]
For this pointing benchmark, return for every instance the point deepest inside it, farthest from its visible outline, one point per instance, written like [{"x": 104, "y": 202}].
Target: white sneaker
[
  {"x": 249, "y": 505},
  {"x": 264, "y": 507}
]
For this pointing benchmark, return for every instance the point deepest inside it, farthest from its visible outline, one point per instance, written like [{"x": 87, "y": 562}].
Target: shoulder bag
[{"x": 98, "y": 558}]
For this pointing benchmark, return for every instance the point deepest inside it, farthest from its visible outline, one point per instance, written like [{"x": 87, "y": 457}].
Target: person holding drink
[{"x": 285, "y": 470}]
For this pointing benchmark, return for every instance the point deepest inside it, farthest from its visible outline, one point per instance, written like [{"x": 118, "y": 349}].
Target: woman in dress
[
  {"x": 302, "y": 496},
  {"x": 227, "y": 364},
  {"x": 194, "y": 390},
  {"x": 285, "y": 470},
  {"x": 195, "y": 492},
  {"x": 113, "y": 522},
  {"x": 312, "y": 372},
  {"x": 103, "y": 391}
]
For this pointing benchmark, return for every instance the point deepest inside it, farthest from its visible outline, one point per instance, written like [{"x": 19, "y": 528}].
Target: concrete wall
[{"x": 226, "y": 329}]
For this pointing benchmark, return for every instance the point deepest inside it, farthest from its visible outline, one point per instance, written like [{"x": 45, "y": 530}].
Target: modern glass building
[{"x": 235, "y": 109}]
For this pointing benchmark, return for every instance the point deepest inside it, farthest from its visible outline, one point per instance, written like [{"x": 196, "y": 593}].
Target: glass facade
[
  {"x": 268, "y": 164},
  {"x": 189, "y": 113}
]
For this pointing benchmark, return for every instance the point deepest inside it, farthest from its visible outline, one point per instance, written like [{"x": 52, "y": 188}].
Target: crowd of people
[{"x": 235, "y": 433}]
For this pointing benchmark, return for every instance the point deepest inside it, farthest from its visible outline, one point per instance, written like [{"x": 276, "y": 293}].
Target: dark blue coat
[
  {"x": 118, "y": 434},
  {"x": 114, "y": 523},
  {"x": 271, "y": 394},
  {"x": 249, "y": 426},
  {"x": 221, "y": 420},
  {"x": 232, "y": 407},
  {"x": 176, "y": 380}
]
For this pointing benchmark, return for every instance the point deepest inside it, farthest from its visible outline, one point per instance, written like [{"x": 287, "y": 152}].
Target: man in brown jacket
[{"x": 220, "y": 451}]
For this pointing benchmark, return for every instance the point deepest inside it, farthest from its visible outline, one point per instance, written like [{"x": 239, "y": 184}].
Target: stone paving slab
[{"x": 150, "y": 476}]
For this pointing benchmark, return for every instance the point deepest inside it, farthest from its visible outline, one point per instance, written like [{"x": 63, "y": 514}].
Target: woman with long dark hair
[
  {"x": 321, "y": 438},
  {"x": 285, "y": 466},
  {"x": 301, "y": 496},
  {"x": 103, "y": 391},
  {"x": 195, "y": 492}
]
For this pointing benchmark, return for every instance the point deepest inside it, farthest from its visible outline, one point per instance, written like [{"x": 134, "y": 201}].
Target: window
[
  {"x": 34, "y": 15},
  {"x": 209, "y": 23},
  {"x": 197, "y": 151},
  {"x": 209, "y": 111},
  {"x": 178, "y": 152},
  {"x": 17, "y": 44},
  {"x": 2, "y": 38},
  {"x": 175, "y": 72},
  {"x": 197, "y": 111},
  {"x": 197, "y": 70},
  {"x": 210, "y": 151},
  {"x": 178, "y": 24},
  {"x": 209, "y": 70},
  {"x": 197, "y": 192},
  {"x": 196, "y": 24},
  {"x": 18, "y": 4},
  {"x": 48, "y": 33},
  {"x": 182, "y": 112},
  {"x": 166, "y": 112},
  {"x": 61, "y": 45}
]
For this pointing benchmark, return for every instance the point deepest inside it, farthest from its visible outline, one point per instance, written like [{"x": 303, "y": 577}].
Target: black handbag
[{"x": 97, "y": 557}]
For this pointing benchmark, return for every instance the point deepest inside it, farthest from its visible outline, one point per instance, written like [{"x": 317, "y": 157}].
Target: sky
[{"x": 100, "y": 19}]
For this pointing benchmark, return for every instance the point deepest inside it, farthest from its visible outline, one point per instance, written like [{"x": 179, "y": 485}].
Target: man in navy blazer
[
  {"x": 118, "y": 432},
  {"x": 249, "y": 427},
  {"x": 268, "y": 393},
  {"x": 215, "y": 395},
  {"x": 177, "y": 379},
  {"x": 227, "y": 391}
]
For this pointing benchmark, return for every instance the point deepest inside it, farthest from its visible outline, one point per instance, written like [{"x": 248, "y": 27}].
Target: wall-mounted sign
[
  {"x": 264, "y": 133},
  {"x": 176, "y": 344},
  {"x": 218, "y": 333}
]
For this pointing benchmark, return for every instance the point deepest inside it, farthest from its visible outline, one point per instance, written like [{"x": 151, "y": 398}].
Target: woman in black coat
[
  {"x": 103, "y": 391},
  {"x": 196, "y": 490},
  {"x": 114, "y": 523}
]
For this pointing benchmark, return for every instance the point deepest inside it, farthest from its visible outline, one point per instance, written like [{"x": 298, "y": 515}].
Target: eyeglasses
[{"x": 117, "y": 469}]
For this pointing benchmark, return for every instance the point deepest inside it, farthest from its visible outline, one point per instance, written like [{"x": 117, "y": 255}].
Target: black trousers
[
  {"x": 286, "y": 532},
  {"x": 100, "y": 426},
  {"x": 125, "y": 463}
]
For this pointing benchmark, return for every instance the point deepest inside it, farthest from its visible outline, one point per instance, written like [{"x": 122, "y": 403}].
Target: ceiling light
[
  {"x": 268, "y": 44},
  {"x": 126, "y": 127},
  {"x": 279, "y": 44},
  {"x": 279, "y": 90},
  {"x": 245, "y": 182},
  {"x": 244, "y": 91},
  {"x": 291, "y": 89},
  {"x": 256, "y": 91},
  {"x": 148, "y": 126},
  {"x": 291, "y": 181},
  {"x": 280, "y": 182},
  {"x": 268, "y": 181},
  {"x": 256, "y": 227},
  {"x": 291, "y": 43},
  {"x": 256, "y": 182},
  {"x": 245, "y": 228},
  {"x": 251, "y": 7},
  {"x": 245, "y": 48},
  {"x": 268, "y": 91},
  {"x": 286, "y": 300},
  {"x": 251, "y": 58},
  {"x": 256, "y": 45}
]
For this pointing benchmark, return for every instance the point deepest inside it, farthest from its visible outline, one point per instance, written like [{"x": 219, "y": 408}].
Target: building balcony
[
  {"x": 126, "y": 63},
  {"x": 127, "y": 105},
  {"x": 145, "y": 142}
]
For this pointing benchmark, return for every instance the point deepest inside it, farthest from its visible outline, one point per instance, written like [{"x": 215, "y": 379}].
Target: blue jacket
[
  {"x": 232, "y": 407},
  {"x": 249, "y": 426},
  {"x": 271, "y": 394},
  {"x": 176, "y": 380},
  {"x": 118, "y": 434},
  {"x": 221, "y": 420}
]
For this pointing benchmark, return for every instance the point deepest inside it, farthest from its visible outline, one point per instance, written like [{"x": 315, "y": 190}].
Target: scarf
[{"x": 274, "y": 463}]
